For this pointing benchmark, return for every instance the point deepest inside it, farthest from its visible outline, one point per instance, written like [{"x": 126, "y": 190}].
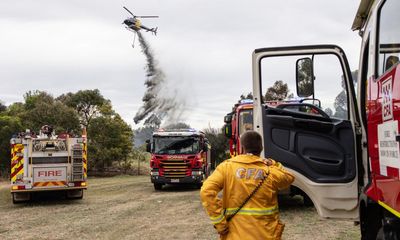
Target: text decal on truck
[
  {"x": 47, "y": 174},
  {"x": 387, "y": 101}
]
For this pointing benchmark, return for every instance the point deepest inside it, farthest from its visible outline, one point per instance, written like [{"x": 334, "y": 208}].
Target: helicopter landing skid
[{"x": 134, "y": 36}]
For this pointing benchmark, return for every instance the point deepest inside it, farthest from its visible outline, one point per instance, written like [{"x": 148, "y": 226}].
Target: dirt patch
[{"x": 127, "y": 207}]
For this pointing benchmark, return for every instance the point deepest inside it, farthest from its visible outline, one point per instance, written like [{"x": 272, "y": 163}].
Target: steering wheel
[{"x": 313, "y": 107}]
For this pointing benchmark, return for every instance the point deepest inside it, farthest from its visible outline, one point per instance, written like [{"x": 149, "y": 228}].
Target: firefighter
[{"x": 249, "y": 206}]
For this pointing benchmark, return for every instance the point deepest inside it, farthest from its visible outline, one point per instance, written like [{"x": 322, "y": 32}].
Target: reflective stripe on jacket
[{"x": 237, "y": 178}]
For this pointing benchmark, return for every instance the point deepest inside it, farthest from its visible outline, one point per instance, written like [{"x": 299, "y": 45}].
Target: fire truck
[
  {"x": 179, "y": 156},
  {"x": 240, "y": 119},
  {"x": 345, "y": 157},
  {"x": 237, "y": 122},
  {"x": 47, "y": 162}
]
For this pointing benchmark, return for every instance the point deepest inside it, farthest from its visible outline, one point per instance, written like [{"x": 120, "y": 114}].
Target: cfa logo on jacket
[{"x": 254, "y": 173}]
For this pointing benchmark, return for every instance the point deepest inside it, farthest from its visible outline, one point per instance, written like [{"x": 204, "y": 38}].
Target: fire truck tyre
[
  {"x": 370, "y": 220},
  {"x": 20, "y": 197},
  {"x": 380, "y": 235},
  {"x": 199, "y": 185},
  {"x": 158, "y": 186},
  {"x": 75, "y": 194}
]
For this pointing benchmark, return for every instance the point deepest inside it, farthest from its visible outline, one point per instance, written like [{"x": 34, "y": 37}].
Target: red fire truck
[
  {"x": 179, "y": 156},
  {"x": 237, "y": 122},
  {"x": 346, "y": 157},
  {"x": 47, "y": 162},
  {"x": 241, "y": 119}
]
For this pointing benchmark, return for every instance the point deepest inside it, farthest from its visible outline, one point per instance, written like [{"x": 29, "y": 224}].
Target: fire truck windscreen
[
  {"x": 176, "y": 145},
  {"x": 245, "y": 121}
]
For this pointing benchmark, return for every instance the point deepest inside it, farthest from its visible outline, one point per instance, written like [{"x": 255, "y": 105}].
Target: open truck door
[{"x": 316, "y": 142}]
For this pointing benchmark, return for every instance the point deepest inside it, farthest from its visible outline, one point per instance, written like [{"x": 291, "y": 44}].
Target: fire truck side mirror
[
  {"x": 205, "y": 148},
  {"x": 304, "y": 77},
  {"x": 228, "y": 118},
  {"x": 148, "y": 146},
  {"x": 228, "y": 130},
  {"x": 205, "y": 145}
]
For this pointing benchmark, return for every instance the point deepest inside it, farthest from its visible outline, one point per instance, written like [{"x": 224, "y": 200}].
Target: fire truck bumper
[
  {"x": 52, "y": 186},
  {"x": 187, "y": 179},
  {"x": 47, "y": 189}
]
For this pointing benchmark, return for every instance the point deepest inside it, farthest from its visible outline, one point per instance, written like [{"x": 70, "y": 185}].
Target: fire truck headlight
[{"x": 196, "y": 173}]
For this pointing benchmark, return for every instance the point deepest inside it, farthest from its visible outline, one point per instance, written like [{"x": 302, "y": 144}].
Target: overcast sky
[{"x": 203, "y": 47}]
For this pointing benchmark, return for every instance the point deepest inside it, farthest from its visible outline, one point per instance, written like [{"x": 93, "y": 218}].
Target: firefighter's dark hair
[{"x": 251, "y": 142}]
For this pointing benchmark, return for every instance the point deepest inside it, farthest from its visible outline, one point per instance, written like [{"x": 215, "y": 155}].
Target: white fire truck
[
  {"x": 345, "y": 155},
  {"x": 48, "y": 162}
]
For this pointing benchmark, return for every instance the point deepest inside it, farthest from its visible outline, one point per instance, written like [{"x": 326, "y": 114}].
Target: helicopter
[{"x": 133, "y": 23}]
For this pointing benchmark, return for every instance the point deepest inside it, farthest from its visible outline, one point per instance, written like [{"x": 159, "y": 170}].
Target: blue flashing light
[{"x": 246, "y": 101}]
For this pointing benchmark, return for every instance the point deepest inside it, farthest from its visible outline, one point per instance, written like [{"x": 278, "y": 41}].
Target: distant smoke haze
[{"x": 159, "y": 103}]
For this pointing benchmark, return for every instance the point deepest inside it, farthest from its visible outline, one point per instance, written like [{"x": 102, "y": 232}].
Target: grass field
[{"x": 127, "y": 207}]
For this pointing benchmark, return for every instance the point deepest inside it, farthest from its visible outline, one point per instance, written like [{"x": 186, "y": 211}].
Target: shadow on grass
[
  {"x": 179, "y": 188},
  {"x": 49, "y": 198},
  {"x": 287, "y": 203}
]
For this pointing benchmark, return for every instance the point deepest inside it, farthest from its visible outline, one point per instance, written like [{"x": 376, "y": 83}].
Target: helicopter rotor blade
[
  {"x": 147, "y": 16},
  {"x": 129, "y": 11}
]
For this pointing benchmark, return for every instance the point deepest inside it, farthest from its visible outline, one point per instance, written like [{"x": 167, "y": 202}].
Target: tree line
[{"x": 110, "y": 139}]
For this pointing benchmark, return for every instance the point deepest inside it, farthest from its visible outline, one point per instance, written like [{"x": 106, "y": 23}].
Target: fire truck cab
[
  {"x": 179, "y": 156},
  {"x": 346, "y": 158},
  {"x": 237, "y": 122}
]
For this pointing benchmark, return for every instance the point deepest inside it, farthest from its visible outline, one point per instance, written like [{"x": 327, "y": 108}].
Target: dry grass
[{"x": 127, "y": 207}]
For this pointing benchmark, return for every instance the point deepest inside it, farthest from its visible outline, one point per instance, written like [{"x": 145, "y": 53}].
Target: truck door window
[
  {"x": 388, "y": 36},
  {"x": 279, "y": 82}
]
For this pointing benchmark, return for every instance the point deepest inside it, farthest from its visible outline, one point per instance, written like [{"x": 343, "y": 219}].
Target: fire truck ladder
[{"x": 77, "y": 163}]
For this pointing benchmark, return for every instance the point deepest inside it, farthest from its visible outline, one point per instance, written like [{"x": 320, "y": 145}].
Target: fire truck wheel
[
  {"x": 391, "y": 227},
  {"x": 20, "y": 197},
  {"x": 380, "y": 235},
  {"x": 158, "y": 186},
  {"x": 75, "y": 194},
  {"x": 370, "y": 219}
]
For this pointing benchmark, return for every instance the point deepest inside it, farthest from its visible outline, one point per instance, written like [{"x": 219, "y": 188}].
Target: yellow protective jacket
[{"x": 238, "y": 177}]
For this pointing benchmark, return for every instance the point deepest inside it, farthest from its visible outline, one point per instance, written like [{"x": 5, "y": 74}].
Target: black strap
[{"x": 247, "y": 199}]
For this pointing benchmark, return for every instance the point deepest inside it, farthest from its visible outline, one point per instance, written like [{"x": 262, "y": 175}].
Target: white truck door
[{"x": 315, "y": 142}]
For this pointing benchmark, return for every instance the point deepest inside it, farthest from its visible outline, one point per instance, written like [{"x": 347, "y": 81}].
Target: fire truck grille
[
  {"x": 45, "y": 160},
  {"x": 174, "y": 168}
]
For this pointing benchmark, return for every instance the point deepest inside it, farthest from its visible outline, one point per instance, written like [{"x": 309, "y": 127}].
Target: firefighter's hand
[
  {"x": 223, "y": 233},
  {"x": 222, "y": 229},
  {"x": 269, "y": 162}
]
